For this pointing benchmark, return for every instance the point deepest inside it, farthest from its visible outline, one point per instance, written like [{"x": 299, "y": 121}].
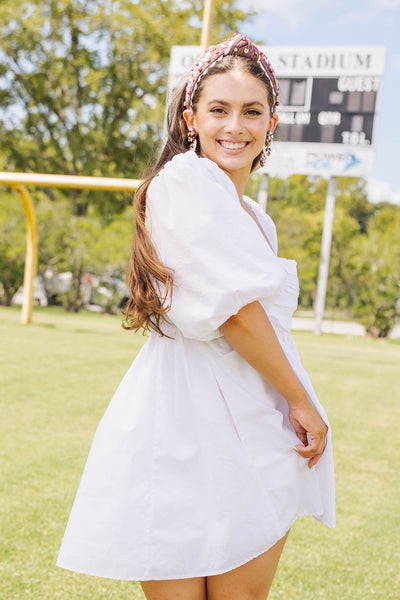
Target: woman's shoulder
[
  {"x": 189, "y": 170},
  {"x": 193, "y": 191},
  {"x": 191, "y": 161}
]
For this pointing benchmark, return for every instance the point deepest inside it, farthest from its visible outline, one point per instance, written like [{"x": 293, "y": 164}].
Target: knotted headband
[{"x": 238, "y": 45}]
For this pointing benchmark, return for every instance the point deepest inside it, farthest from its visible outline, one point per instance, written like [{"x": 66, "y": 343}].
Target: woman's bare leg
[
  {"x": 193, "y": 588},
  {"x": 251, "y": 581}
]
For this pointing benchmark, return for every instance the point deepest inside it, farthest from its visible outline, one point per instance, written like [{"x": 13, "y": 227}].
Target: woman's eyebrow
[
  {"x": 253, "y": 104},
  {"x": 223, "y": 102},
  {"x": 245, "y": 105}
]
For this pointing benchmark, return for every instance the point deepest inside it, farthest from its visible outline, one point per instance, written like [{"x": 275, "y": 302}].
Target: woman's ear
[
  {"x": 189, "y": 117},
  {"x": 273, "y": 122}
]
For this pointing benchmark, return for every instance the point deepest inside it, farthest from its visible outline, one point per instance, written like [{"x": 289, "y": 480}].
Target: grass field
[{"x": 57, "y": 377}]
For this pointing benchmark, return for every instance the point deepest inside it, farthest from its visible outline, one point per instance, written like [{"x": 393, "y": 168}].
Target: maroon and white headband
[{"x": 238, "y": 45}]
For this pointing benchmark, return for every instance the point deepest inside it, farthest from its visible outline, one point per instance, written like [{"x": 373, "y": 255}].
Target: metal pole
[
  {"x": 205, "y": 33},
  {"x": 263, "y": 191},
  {"x": 31, "y": 255},
  {"x": 69, "y": 181},
  {"x": 319, "y": 305}
]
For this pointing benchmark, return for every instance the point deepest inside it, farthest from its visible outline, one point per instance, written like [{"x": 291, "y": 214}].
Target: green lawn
[{"x": 57, "y": 377}]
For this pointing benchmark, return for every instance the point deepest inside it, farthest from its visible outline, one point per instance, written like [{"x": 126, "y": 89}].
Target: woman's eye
[
  {"x": 253, "y": 112},
  {"x": 217, "y": 110}
]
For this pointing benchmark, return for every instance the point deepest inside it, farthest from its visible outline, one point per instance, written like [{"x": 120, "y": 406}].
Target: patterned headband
[{"x": 238, "y": 45}]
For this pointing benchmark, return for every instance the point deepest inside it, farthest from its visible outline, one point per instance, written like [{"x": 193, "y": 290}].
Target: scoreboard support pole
[
  {"x": 263, "y": 191},
  {"x": 319, "y": 306},
  {"x": 207, "y": 18}
]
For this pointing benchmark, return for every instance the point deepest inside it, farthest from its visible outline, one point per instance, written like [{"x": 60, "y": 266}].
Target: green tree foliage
[
  {"x": 81, "y": 244},
  {"x": 66, "y": 243},
  {"x": 82, "y": 83},
  {"x": 296, "y": 205},
  {"x": 12, "y": 245},
  {"x": 376, "y": 272},
  {"x": 364, "y": 272}
]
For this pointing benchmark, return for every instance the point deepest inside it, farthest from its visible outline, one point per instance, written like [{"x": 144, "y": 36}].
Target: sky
[{"x": 353, "y": 23}]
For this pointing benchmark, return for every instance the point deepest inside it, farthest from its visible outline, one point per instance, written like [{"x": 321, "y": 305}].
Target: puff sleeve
[{"x": 219, "y": 258}]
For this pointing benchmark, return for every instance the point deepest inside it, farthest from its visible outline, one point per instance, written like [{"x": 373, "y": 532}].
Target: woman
[{"x": 214, "y": 442}]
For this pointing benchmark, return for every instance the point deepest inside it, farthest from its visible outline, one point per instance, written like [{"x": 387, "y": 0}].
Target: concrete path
[{"x": 339, "y": 327}]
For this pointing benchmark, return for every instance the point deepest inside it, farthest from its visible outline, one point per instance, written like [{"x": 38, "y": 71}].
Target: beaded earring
[
  {"x": 191, "y": 138},
  {"x": 266, "y": 151}
]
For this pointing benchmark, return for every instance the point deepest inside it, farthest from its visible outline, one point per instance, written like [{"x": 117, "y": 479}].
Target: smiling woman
[
  {"x": 232, "y": 120},
  {"x": 215, "y": 442}
]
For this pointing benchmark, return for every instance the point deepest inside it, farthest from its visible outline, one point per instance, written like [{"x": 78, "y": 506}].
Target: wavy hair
[{"x": 150, "y": 282}]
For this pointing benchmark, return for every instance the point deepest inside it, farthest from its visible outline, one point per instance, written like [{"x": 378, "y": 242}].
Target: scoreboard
[
  {"x": 329, "y": 110},
  {"x": 329, "y": 101}
]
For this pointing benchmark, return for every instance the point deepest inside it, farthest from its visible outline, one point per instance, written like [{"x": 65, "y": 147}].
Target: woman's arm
[{"x": 251, "y": 334}]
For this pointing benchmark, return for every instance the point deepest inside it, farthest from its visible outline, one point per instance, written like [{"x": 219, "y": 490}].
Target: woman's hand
[
  {"x": 251, "y": 334},
  {"x": 311, "y": 431}
]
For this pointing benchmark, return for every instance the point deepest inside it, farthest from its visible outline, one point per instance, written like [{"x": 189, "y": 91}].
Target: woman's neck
[{"x": 239, "y": 180}]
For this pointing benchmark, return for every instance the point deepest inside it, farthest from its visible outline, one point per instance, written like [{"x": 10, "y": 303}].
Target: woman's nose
[{"x": 235, "y": 123}]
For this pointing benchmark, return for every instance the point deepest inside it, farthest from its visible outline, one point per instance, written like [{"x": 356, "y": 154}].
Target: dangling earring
[
  {"x": 191, "y": 138},
  {"x": 266, "y": 151}
]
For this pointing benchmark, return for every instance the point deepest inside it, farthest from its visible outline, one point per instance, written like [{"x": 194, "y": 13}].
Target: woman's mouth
[{"x": 232, "y": 145}]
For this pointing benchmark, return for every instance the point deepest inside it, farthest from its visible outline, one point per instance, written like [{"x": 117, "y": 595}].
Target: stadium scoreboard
[{"x": 329, "y": 103}]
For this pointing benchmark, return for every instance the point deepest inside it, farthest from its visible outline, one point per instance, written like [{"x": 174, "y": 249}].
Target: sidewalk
[{"x": 338, "y": 327}]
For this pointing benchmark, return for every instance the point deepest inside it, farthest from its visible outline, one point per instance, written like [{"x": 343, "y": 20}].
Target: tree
[
  {"x": 364, "y": 272},
  {"x": 82, "y": 83},
  {"x": 296, "y": 205},
  {"x": 12, "y": 245},
  {"x": 351, "y": 196},
  {"x": 376, "y": 273},
  {"x": 81, "y": 244},
  {"x": 345, "y": 236}
]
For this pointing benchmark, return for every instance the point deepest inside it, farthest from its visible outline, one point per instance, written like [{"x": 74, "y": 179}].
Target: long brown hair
[{"x": 150, "y": 282}]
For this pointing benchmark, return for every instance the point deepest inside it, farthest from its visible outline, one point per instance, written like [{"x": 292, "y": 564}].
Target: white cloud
[{"x": 379, "y": 191}]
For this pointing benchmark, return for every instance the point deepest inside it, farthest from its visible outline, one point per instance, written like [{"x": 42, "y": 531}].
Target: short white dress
[{"x": 193, "y": 471}]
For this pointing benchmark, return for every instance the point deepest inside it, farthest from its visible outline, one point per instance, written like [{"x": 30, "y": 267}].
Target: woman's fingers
[
  {"x": 311, "y": 430},
  {"x": 309, "y": 452}
]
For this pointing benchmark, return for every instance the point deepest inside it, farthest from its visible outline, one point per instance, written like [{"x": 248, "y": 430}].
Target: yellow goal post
[{"x": 19, "y": 182}]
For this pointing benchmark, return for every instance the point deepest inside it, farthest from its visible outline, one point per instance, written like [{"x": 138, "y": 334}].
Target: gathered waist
[{"x": 283, "y": 322}]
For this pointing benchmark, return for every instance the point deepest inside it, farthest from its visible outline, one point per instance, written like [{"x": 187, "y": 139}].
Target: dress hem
[{"x": 207, "y": 574}]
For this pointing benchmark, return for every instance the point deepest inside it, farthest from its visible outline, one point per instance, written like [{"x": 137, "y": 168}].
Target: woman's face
[{"x": 232, "y": 118}]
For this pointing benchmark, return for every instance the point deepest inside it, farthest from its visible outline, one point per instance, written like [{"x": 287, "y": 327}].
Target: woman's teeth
[{"x": 232, "y": 145}]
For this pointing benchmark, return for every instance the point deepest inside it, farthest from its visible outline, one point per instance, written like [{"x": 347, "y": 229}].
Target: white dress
[{"x": 192, "y": 470}]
